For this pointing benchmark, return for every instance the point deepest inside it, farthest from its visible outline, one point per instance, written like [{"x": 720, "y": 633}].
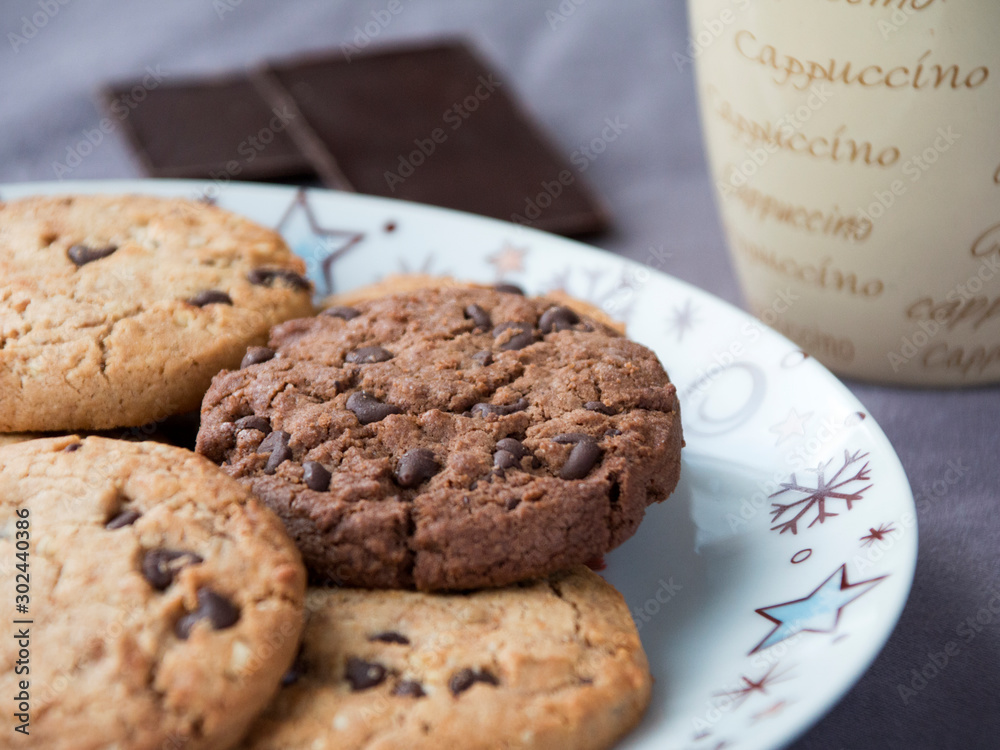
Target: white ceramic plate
[{"x": 764, "y": 587}]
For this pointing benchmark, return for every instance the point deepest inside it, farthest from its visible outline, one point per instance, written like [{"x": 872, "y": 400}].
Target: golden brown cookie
[
  {"x": 164, "y": 602},
  {"x": 551, "y": 664},
  {"x": 118, "y": 310}
]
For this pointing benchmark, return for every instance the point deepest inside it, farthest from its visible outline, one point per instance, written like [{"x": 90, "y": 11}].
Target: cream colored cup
[{"x": 855, "y": 149}]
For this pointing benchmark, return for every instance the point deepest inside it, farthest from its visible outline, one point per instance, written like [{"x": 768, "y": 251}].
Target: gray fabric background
[{"x": 608, "y": 59}]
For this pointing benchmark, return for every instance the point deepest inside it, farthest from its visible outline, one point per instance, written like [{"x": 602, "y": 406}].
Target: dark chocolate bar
[
  {"x": 433, "y": 125},
  {"x": 213, "y": 128}
]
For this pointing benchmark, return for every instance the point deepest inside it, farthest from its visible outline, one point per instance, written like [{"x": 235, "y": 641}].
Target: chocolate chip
[
  {"x": 571, "y": 437},
  {"x": 409, "y": 689},
  {"x": 274, "y": 440},
  {"x": 415, "y": 467},
  {"x": 276, "y": 443},
  {"x": 255, "y": 355},
  {"x": 72, "y": 447},
  {"x": 82, "y": 254},
  {"x": 599, "y": 406},
  {"x": 254, "y": 423},
  {"x": 390, "y": 636},
  {"x": 210, "y": 297},
  {"x": 267, "y": 277},
  {"x": 478, "y": 316},
  {"x": 612, "y": 432},
  {"x": 512, "y": 445},
  {"x": 524, "y": 337},
  {"x": 315, "y": 475},
  {"x": 123, "y": 519},
  {"x": 485, "y": 358},
  {"x": 367, "y": 355},
  {"x": 509, "y": 289},
  {"x": 585, "y": 454},
  {"x": 466, "y": 678},
  {"x": 364, "y": 674},
  {"x": 344, "y": 313},
  {"x": 159, "y": 566},
  {"x": 278, "y": 456},
  {"x": 505, "y": 460},
  {"x": 557, "y": 319},
  {"x": 502, "y": 410},
  {"x": 369, "y": 409},
  {"x": 512, "y": 503},
  {"x": 217, "y": 609}
]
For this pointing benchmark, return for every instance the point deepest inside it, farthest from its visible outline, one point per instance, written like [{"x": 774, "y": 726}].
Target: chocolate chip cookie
[
  {"x": 448, "y": 438},
  {"x": 552, "y": 664},
  {"x": 164, "y": 601},
  {"x": 118, "y": 310}
]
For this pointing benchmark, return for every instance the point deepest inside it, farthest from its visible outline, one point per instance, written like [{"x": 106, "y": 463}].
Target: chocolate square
[
  {"x": 209, "y": 128},
  {"x": 430, "y": 124}
]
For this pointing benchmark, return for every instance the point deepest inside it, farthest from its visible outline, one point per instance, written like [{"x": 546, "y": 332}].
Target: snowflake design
[
  {"x": 877, "y": 535},
  {"x": 426, "y": 266},
  {"x": 815, "y": 498}
]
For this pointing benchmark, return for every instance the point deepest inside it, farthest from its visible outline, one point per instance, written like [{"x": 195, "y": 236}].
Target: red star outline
[{"x": 844, "y": 586}]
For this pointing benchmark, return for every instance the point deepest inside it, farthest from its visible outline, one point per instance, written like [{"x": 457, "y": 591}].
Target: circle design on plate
[
  {"x": 794, "y": 359},
  {"x": 855, "y": 418},
  {"x": 796, "y": 559},
  {"x": 701, "y": 399}
]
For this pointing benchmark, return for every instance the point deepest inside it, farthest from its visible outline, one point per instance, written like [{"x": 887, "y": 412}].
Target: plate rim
[{"x": 873, "y": 645}]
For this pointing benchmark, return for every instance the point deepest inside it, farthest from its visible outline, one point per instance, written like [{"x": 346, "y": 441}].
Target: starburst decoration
[
  {"x": 877, "y": 535},
  {"x": 750, "y": 686},
  {"x": 426, "y": 266},
  {"x": 616, "y": 299},
  {"x": 682, "y": 319},
  {"x": 816, "y": 498},
  {"x": 508, "y": 259},
  {"x": 793, "y": 424},
  {"x": 767, "y": 713}
]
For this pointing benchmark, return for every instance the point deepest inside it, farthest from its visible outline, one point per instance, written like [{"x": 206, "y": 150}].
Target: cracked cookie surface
[
  {"x": 166, "y": 601},
  {"x": 118, "y": 310},
  {"x": 448, "y": 438},
  {"x": 556, "y": 663}
]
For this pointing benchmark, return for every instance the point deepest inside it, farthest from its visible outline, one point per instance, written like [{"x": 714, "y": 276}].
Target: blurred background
[{"x": 573, "y": 64}]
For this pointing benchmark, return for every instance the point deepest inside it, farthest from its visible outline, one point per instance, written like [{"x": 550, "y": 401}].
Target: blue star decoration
[{"x": 817, "y": 613}]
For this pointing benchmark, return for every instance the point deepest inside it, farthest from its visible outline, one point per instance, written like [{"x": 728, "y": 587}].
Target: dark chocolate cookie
[{"x": 449, "y": 438}]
